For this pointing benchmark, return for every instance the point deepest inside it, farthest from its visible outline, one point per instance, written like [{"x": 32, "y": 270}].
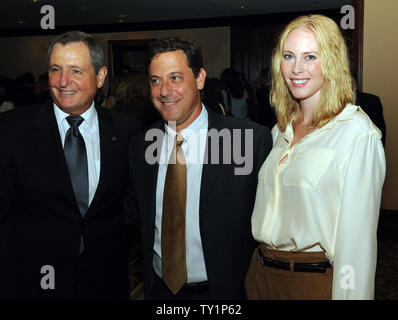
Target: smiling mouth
[
  {"x": 66, "y": 92},
  {"x": 169, "y": 103},
  {"x": 299, "y": 82}
]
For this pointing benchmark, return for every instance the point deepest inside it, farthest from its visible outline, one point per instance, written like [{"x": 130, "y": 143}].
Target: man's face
[
  {"x": 72, "y": 79},
  {"x": 174, "y": 88}
]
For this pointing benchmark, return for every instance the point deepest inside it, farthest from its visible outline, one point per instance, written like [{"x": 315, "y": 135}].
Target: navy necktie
[{"x": 76, "y": 160}]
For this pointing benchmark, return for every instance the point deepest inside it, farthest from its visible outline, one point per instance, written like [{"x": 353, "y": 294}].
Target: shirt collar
[
  {"x": 346, "y": 114},
  {"x": 89, "y": 115},
  {"x": 190, "y": 133}
]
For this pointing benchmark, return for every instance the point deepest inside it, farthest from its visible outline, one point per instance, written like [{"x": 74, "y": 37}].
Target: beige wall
[
  {"x": 380, "y": 77},
  {"x": 22, "y": 54}
]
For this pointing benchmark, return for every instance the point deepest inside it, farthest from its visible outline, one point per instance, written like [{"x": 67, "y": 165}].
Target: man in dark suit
[
  {"x": 208, "y": 254},
  {"x": 64, "y": 170},
  {"x": 371, "y": 104}
]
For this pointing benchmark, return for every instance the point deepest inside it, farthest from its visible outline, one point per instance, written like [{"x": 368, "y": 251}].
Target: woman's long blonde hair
[{"x": 339, "y": 86}]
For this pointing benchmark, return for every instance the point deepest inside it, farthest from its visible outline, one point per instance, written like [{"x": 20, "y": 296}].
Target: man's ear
[
  {"x": 201, "y": 78},
  {"x": 101, "y": 75}
]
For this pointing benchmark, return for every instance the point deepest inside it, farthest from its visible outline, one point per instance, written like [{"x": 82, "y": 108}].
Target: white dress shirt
[
  {"x": 327, "y": 193},
  {"x": 89, "y": 129},
  {"x": 194, "y": 145}
]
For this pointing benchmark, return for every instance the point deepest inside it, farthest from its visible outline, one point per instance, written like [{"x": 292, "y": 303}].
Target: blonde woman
[{"x": 319, "y": 191}]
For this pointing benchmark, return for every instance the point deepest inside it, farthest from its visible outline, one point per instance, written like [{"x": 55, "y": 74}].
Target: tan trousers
[{"x": 267, "y": 283}]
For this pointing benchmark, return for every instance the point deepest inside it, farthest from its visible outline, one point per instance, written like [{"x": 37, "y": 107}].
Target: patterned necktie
[
  {"x": 76, "y": 160},
  {"x": 174, "y": 268}
]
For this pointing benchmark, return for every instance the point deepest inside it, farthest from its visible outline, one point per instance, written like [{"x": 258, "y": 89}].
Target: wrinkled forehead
[
  {"x": 71, "y": 46},
  {"x": 76, "y": 51}
]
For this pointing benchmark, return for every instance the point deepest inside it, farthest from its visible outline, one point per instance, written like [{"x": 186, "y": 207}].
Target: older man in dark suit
[
  {"x": 64, "y": 170},
  {"x": 192, "y": 190}
]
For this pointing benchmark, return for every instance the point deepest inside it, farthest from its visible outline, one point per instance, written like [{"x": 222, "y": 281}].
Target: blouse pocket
[{"x": 307, "y": 167}]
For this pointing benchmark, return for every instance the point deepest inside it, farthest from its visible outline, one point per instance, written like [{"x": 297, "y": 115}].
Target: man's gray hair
[{"x": 95, "y": 49}]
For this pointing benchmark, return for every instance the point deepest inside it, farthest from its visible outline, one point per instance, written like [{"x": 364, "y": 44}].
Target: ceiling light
[
  {"x": 34, "y": 1},
  {"x": 243, "y": 6}
]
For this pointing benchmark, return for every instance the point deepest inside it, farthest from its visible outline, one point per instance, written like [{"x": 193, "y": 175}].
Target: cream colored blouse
[{"x": 325, "y": 195}]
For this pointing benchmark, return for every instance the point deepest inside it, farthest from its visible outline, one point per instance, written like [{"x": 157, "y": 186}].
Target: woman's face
[{"x": 301, "y": 66}]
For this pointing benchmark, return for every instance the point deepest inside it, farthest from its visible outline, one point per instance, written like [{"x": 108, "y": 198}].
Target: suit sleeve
[
  {"x": 131, "y": 216},
  {"x": 355, "y": 248},
  {"x": 379, "y": 122},
  {"x": 6, "y": 173},
  {"x": 130, "y": 205},
  {"x": 8, "y": 278}
]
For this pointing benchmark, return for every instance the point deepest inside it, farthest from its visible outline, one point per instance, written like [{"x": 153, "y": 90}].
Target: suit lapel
[
  {"x": 47, "y": 131},
  {"x": 151, "y": 175},
  {"x": 210, "y": 172},
  {"x": 49, "y": 151},
  {"x": 107, "y": 137}
]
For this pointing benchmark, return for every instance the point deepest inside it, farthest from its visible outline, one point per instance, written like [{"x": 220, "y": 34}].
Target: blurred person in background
[{"x": 234, "y": 94}]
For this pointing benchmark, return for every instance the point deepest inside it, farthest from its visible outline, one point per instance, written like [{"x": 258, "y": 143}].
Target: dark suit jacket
[
  {"x": 41, "y": 220},
  {"x": 371, "y": 104},
  {"x": 226, "y": 204}
]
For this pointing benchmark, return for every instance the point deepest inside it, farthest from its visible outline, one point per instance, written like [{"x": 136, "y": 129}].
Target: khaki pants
[{"x": 267, "y": 283}]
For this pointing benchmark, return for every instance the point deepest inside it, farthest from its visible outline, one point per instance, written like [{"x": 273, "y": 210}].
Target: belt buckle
[
  {"x": 281, "y": 265},
  {"x": 272, "y": 263},
  {"x": 263, "y": 260}
]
